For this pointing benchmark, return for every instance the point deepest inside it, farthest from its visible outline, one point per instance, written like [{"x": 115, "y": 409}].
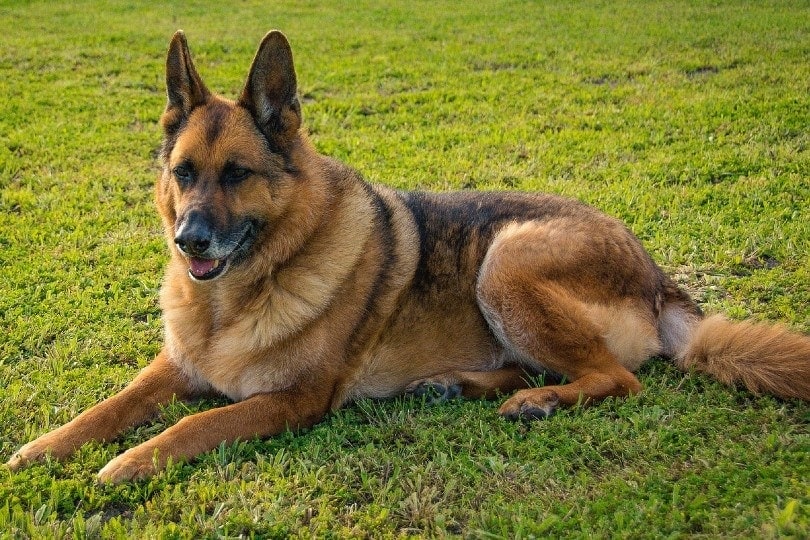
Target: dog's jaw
[
  {"x": 206, "y": 269},
  {"x": 202, "y": 269}
]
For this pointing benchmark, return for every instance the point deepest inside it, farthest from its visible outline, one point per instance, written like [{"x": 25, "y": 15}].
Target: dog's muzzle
[{"x": 209, "y": 256}]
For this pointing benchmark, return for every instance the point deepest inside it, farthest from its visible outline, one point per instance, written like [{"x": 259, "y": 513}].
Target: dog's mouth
[{"x": 206, "y": 269}]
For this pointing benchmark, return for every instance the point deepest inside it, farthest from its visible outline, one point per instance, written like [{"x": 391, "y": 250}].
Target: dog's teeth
[{"x": 216, "y": 263}]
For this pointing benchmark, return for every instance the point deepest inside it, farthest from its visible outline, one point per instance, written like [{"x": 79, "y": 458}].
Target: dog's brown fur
[{"x": 334, "y": 289}]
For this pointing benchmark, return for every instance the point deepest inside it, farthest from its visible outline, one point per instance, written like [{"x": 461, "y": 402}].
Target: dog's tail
[{"x": 762, "y": 357}]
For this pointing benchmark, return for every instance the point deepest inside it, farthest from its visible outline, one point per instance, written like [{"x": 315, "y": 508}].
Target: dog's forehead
[{"x": 217, "y": 133}]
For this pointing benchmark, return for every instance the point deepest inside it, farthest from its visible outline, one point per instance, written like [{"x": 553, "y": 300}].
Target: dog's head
[{"x": 227, "y": 166}]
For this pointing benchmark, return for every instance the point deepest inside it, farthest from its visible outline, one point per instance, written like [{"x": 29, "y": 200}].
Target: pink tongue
[{"x": 200, "y": 267}]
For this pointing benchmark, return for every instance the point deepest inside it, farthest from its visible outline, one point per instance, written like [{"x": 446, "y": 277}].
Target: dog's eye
[
  {"x": 235, "y": 175},
  {"x": 183, "y": 174}
]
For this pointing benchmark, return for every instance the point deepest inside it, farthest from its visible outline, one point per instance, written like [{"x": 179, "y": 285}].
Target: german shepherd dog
[{"x": 295, "y": 287}]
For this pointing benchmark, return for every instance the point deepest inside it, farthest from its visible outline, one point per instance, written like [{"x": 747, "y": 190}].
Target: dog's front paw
[
  {"x": 134, "y": 464},
  {"x": 30, "y": 453},
  {"x": 530, "y": 404},
  {"x": 19, "y": 460}
]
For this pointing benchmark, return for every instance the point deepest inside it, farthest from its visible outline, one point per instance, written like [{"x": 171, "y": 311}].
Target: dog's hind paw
[
  {"x": 433, "y": 391},
  {"x": 531, "y": 404}
]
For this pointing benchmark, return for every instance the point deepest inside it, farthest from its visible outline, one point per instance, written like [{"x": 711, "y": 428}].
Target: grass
[{"x": 688, "y": 120}]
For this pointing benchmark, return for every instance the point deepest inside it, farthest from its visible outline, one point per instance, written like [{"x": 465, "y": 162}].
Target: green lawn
[{"x": 688, "y": 120}]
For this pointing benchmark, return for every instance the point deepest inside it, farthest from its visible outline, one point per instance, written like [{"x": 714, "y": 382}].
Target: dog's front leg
[
  {"x": 261, "y": 415},
  {"x": 157, "y": 384}
]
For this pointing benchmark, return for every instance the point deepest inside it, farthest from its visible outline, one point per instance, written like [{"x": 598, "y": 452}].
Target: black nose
[{"x": 194, "y": 235}]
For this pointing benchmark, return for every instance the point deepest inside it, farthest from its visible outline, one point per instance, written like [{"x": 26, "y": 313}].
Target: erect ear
[
  {"x": 270, "y": 90},
  {"x": 184, "y": 87}
]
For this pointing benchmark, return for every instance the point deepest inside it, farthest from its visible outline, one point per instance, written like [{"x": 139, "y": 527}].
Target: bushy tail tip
[{"x": 764, "y": 358}]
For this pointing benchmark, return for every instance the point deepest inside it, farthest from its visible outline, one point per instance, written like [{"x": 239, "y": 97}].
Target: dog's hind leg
[
  {"x": 471, "y": 384},
  {"x": 531, "y": 288}
]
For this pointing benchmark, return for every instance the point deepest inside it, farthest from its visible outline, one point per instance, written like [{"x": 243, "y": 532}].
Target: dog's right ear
[{"x": 184, "y": 86}]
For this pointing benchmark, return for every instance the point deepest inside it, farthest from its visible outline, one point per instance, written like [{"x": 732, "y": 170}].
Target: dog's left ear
[{"x": 270, "y": 90}]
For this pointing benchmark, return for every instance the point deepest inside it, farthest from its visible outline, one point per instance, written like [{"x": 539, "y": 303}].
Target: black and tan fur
[{"x": 294, "y": 287}]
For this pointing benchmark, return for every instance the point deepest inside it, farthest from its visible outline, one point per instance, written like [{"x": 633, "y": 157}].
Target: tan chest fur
[
  {"x": 262, "y": 336},
  {"x": 301, "y": 319}
]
